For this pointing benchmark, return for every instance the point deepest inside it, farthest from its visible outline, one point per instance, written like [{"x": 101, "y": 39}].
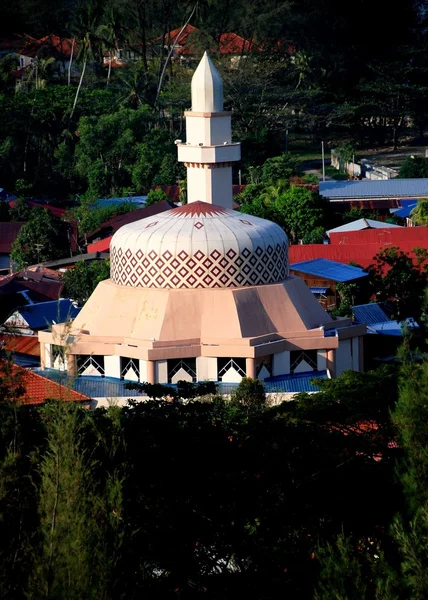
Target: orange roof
[
  {"x": 38, "y": 389},
  {"x": 22, "y": 344},
  {"x": 232, "y": 43},
  {"x": 60, "y": 46}
]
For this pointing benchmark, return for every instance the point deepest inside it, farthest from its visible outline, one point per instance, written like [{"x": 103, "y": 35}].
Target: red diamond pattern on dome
[
  {"x": 220, "y": 268},
  {"x": 151, "y": 224},
  {"x": 215, "y": 254},
  {"x": 198, "y": 225},
  {"x": 246, "y": 222}
]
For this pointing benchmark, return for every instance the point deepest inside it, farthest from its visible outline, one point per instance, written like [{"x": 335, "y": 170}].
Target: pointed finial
[{"x": 207, "y": 87}]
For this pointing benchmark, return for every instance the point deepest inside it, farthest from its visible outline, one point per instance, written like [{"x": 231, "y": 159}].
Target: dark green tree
[{"x": 81, "y": 281}]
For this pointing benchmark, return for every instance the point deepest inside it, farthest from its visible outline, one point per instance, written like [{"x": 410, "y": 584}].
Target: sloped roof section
[
  {"x": 43, "y": 314},
  {"x": 417, "y": 236},
  {"x": 328, "y": 269},
  {"x": 389, "y": 188},
  {"x": 8, "y": 234},
  {"x": 370, "y": 313},
  {"x": 21, "y": 344},
  {"x": 361, "y": 224},
  {"x": 38, "y": 389}
]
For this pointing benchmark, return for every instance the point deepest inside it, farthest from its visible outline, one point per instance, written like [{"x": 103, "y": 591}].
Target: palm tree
[
  {"x": 40, "y": 71},
  {"x": 89, "y": 41},
  {"x": 419, "y": 215},
  {"x": 111, "y": 35}
]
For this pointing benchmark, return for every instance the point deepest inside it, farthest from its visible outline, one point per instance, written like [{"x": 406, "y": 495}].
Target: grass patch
[{"x": 335, "y": 174}]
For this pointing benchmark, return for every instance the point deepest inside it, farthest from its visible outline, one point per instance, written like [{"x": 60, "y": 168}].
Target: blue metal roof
[
  {"x": 328, "y": 269},
  {"x": 294, "y": 383},
  {"x": 406, "y": 208},
  {"x": 318, "y": 290},
  {"x": 43, "y": 314},
  {"x": 110, "y": 387},
  {"x": 393, "y": 328},
  {"x": 389, "y": 188},
  {"x": 370, "y": 314},
  {"x": 139, "y": 200}
]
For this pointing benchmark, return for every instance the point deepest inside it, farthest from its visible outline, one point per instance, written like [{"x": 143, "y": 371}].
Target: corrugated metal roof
[
  {"x": 138, "y": 200},
  {"x": 101, "y": 246},
  {"x": 110, "y": 387},
  {"x": 393, "y": 328},
  {"x": 294, "y": 383},
  {"x": 21, "y": 344},
  {"x": 328, "y": 269},
  {"x": 361, "y": 224},
  {"x": 389, "y": 188},
  {"x": 8, "y": 234},
  {"x": 318, "y": 290},
  {"x": 370, "y": 313},
  {"x": 39, "y": 316},
  {"x": 417, "y": 236}
]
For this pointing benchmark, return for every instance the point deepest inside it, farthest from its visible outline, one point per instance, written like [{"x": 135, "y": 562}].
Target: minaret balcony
[{"x": 209, "y": 154}]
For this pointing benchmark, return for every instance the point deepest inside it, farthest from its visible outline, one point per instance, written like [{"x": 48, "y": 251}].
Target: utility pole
[
  {"x": 286, "y": 141},
  {"x": 323, "y": 160},
  {"x": 239, "y": 176}
]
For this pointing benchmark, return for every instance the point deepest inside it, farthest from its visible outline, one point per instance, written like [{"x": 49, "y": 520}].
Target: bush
[{"x": 250, "y": 392}]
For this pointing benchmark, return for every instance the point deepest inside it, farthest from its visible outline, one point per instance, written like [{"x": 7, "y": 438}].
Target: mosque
[{"x": 202, "y": 292}]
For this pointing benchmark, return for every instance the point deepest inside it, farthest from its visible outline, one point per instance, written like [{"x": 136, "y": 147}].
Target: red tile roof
[
  {"x": 38, "y": 389},
  {"x": 21, "y": 344},
  {"x": 8, "y": 234},
  {"x": 232, "y": 43},
  {"x": 59, "y": 47}
]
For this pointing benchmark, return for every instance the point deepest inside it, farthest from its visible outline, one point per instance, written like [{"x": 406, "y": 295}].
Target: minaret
[{"x": 208, "y": 152}]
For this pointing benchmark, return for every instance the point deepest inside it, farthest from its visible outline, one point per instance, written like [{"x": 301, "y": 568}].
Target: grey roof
[
  {"x": 360, "y": 224},
  {"x": 328, "y": 269},
  {"x": 43, "y": 314},
  {"x": 389, "y": 188},
  {"x": 370, "y": 314}
]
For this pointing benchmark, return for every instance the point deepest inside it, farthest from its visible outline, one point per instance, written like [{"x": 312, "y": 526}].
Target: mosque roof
[{"x": 199, "y": 245}]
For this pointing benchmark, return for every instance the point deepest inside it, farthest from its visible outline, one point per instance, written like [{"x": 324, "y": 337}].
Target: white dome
[{"x": 199, "y": 245}]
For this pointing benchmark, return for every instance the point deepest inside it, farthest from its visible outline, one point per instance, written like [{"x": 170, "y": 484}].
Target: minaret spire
[
  {"x": 209, "y": 151},
  {"x": 207, "y": 87}
]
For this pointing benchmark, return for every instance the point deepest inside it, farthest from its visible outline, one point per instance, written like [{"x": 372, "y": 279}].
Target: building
[
  {"x": 203, "y": 292},
  {"x": 322, "y": 277},
  {"x": 35, "y": 317},
  {"x": 361, "y": 225},
  {"x": 379, "y": 195}
]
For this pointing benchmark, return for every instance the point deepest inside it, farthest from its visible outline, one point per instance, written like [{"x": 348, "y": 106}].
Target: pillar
[
  {"x": 331, "y": 362},
  {"x": 250, "y": 367},
  {"x": 72, "y": 365},
  {"x": 151, "y": 371}
]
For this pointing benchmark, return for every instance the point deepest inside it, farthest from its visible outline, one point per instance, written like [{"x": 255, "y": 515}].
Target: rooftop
[
  {"x": 389, "y": 188},
  {"x": 361, "y": 224},
  {"x": 328, "y": 269},
  {"x": 38, "y": 389},
  {"x": 43, "y": 314}
]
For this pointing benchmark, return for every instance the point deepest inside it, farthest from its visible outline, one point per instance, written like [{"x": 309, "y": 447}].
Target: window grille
[
  {"x": 127, "y": 364},
  {"x": 297, "y": 356},
  {"x": 188, "y": 365},
  {"x": 228, "y": 363},
  {"x": 84, "y": 362}
]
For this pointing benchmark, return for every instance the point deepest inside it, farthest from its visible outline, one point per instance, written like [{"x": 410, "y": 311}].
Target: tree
[
  {"x": 414, "y": 167},
  {"x": 81, "y": 281},
  {"x": 394, "y": 277},
  {"x": 42, "y": 238},
  {"x": 155, "y": 196},
  {"x": 419, "y": 214},
  {"x": 250, "y": 393},
  {"x": 20, "y": 211}
]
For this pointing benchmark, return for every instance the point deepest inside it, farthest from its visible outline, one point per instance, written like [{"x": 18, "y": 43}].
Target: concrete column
[
  {"x": 150, "y": 371},
  {"x": 72, "y": 365},
  {"x": 42, "y": 356},
  {"x": 250, "y": 367},
  {"x": 331, "y": 362},
  {"x": 321, "y": 360},
  {"x": 206, "y": 368}
]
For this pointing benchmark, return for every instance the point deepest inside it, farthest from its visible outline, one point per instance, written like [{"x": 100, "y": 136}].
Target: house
[
  {"x": 63, "y": 50},
  {"x": 25, "y": 349},
  {"x": 322, "y": 277},
  {"x": 31, "y": 388},
  {"x": 36, "y": 317},
  {"x": 31, "y": 286},
  {"x": 112, "y": 225},
  {"x": 380, "y": 195},
  {"x": 360, "y": 225}
]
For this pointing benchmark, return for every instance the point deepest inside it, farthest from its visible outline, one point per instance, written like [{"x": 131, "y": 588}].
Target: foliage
[
  {"x": 89, "y": 216},
  {"x": 279, "y": 167},
  {"x": 20, "y": 211},
  {"x": 419, "y": 214},
  {"x": 414, "y": 168},
  {"x": 316, "y": 236},
  {"x": 155, "y": 196},
  {"x": 43, "y": 237},
  {"x": 396, "y": 278},
  {"x": 250, "y": 392},
  {"x": 81, "y": 281}
]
